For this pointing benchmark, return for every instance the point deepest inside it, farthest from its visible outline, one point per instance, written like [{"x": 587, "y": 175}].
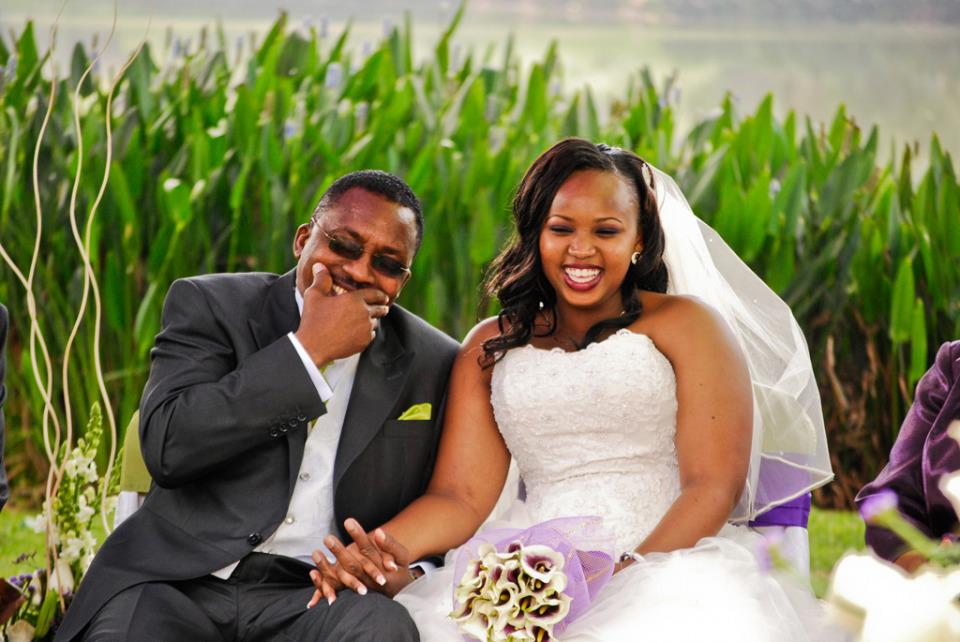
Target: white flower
[
  {"x": 84, "y": 510},
  {"x": 37, "y": 523},
  {"x": 867, "y": 595},
  {"x": 20, "y": 631},
  {"x": 950, "y": 487},
  {"x": 72, "y": 550},
  {"x": 61, "y": 578},
  {"x": 90, "y": 472},
  {"x": 954, "y": 429},
  {"x": 36, "y": 598},
  {"x": 541, "y": 562}
]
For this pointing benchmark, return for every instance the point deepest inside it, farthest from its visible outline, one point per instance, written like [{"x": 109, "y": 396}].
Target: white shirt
[{"x": 310, "y": 515}]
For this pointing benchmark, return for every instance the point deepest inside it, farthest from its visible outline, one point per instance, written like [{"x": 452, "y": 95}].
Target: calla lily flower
[
  {"x": 867, "y": 595},
  {"x": 541, "y": 562},
  {"x": 950, "y": 487}
]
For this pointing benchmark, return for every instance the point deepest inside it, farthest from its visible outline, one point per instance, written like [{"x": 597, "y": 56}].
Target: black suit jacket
[
  {"x": 4, "y": 489},
  {"x": 223, "y": 424}
]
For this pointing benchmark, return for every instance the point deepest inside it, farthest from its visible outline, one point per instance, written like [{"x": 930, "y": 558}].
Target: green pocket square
[{"x": 417, "y": 411}]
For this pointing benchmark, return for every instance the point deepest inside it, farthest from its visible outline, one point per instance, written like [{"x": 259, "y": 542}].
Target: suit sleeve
[
  {"x": 201, "y": 408},
  {"x": 903, "y": 474}
]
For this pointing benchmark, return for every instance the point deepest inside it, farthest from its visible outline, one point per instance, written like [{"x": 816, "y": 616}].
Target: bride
[{"x": 640, "y": 372}]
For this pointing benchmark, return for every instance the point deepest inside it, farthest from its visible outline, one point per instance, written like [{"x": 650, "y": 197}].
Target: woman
[{"x": 619, "y": 399}]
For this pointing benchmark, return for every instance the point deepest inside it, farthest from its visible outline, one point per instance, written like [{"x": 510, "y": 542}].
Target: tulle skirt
[{"x": 715, "y": 591}]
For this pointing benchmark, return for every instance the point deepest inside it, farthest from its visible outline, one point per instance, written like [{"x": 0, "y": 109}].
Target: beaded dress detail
[{"x": 592, "y": 431}]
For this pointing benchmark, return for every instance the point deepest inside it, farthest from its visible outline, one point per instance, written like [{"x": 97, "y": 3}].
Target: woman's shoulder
[
  {"x": 678, "y": 312},
  {"x": 471, "y": 349},
  {"x": 486, "y": 329},
  {"x": 684, "y": 327}
]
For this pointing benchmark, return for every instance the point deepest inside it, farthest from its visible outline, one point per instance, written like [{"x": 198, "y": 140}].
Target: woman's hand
[{"x": 374, "y": 561}]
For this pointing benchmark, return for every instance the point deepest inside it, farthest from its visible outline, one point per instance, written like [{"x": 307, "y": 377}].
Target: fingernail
[
  {"x": 393, "y": 566},
  {"x": 329, "y": 601},
  {"x": 381, "y": 580},
  {"x": 362, "y": 590},
  {"x": 309, "y": 605}
]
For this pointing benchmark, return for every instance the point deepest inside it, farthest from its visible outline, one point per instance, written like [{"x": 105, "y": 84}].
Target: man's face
[{"x": 384, "y": 230}]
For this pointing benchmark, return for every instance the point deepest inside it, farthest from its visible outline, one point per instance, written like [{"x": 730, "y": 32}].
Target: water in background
[{"x": 906, "y": 79}]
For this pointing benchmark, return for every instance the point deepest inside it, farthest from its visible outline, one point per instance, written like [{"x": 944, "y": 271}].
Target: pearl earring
[{"x": 635, "y": 257}]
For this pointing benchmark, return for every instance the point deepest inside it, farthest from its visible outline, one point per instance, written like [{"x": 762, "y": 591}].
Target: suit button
[
  {"x": 293, "y": 423},
  {"x": 301, "y": 417},
  {"x": 274, "y": 432},
  {"x": 254, "y": 538}
]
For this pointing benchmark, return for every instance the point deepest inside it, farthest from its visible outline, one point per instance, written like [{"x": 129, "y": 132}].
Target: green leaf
[
  {"x": 918, "y": 343},
  {"x": 48, "y": 608},
  {"x": 901, "y": 306}
]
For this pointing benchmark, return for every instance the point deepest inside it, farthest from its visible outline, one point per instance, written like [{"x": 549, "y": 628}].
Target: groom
[{"x": 276, "y": 407}]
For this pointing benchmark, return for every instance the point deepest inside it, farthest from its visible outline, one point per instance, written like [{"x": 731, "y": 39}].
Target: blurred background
[{"x": 893, "y": 63}]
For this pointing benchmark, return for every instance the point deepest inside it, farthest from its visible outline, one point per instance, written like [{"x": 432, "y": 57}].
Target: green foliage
[
  {"x": 218, "y": 156},
  {"x": 832, "y": 533}
]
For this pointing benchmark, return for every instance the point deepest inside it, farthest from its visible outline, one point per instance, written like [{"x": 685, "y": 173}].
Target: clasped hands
[{"x": 374, "y": 561}]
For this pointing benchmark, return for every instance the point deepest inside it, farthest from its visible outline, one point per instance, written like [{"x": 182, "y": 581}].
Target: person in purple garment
[{"x": 922, "y": 453}]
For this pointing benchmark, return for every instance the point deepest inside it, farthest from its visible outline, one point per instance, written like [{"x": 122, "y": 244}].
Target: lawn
[{"x": 831, "y": 534}]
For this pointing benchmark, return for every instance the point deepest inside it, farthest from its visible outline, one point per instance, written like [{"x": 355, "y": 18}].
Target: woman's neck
[{"x": 573, "y": 323}]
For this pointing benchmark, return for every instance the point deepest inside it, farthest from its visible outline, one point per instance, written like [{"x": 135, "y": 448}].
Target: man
[
  {"x": 264, "y": 428},
  {"x": 4, "y": 489}
]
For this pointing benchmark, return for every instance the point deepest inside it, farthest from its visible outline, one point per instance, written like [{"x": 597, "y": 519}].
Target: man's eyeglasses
[{"x": 351, "y": 250}]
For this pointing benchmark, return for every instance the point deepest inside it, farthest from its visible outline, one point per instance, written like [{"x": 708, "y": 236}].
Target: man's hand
[
  {"x": 335, "y": 326},
  {"x": 373, "y": 561}
]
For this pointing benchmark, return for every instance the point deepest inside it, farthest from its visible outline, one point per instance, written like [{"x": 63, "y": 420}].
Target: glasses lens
[
  {"x": 388, "y": 266},
  {"x": 346, "y": 248}
]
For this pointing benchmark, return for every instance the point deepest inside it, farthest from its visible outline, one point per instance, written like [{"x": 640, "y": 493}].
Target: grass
[
  {"x": 17, "y": 540},
  {"x": 832, "y": 533}
]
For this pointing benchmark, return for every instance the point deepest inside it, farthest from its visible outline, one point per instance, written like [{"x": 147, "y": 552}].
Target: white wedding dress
[{"x": 592, "y": 433}]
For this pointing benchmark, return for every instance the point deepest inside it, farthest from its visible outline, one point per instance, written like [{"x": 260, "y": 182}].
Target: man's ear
[{"x": 300, "y": 239}]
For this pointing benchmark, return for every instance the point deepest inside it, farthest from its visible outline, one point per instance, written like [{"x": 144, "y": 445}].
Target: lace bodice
[{"x": 593, "y": 431}]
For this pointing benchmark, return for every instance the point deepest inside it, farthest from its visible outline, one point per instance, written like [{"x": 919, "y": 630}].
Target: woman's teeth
[
  {"x": 338, "y": 290},
  {"x": 582, "y": 275}
]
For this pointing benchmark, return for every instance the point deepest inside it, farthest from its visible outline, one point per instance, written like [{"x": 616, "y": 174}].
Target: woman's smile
[{"x": 582, "y": 277}]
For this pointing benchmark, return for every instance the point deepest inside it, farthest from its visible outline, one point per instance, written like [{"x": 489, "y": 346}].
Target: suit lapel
[
  {"x": 278, "y": 316},
  {"x": 380, "y": 377}
]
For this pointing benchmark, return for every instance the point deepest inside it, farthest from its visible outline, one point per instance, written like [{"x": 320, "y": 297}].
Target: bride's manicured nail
[
  {"x": 381, "y": 580},
  {"x": 393, "y": 566},
  {"x": 362, "y": 590}
]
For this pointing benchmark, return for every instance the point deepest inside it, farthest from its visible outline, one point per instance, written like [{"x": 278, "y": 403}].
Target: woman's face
[{"x": 587, "y": 240}]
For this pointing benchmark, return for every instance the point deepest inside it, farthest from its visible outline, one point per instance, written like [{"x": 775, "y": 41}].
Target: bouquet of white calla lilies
[{"x": 528, "y": 585}]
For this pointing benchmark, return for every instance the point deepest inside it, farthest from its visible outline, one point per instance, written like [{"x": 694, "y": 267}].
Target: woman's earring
[
  {"x": 635, "y": 257},
  {"x": 541, "y": 305}
]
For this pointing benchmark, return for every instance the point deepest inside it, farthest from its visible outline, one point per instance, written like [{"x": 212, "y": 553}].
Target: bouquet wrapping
[{"x": 530, "y": 584}]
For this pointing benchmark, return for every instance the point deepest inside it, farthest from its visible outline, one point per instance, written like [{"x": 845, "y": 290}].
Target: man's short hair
[{"x": 393, "y": 188}]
